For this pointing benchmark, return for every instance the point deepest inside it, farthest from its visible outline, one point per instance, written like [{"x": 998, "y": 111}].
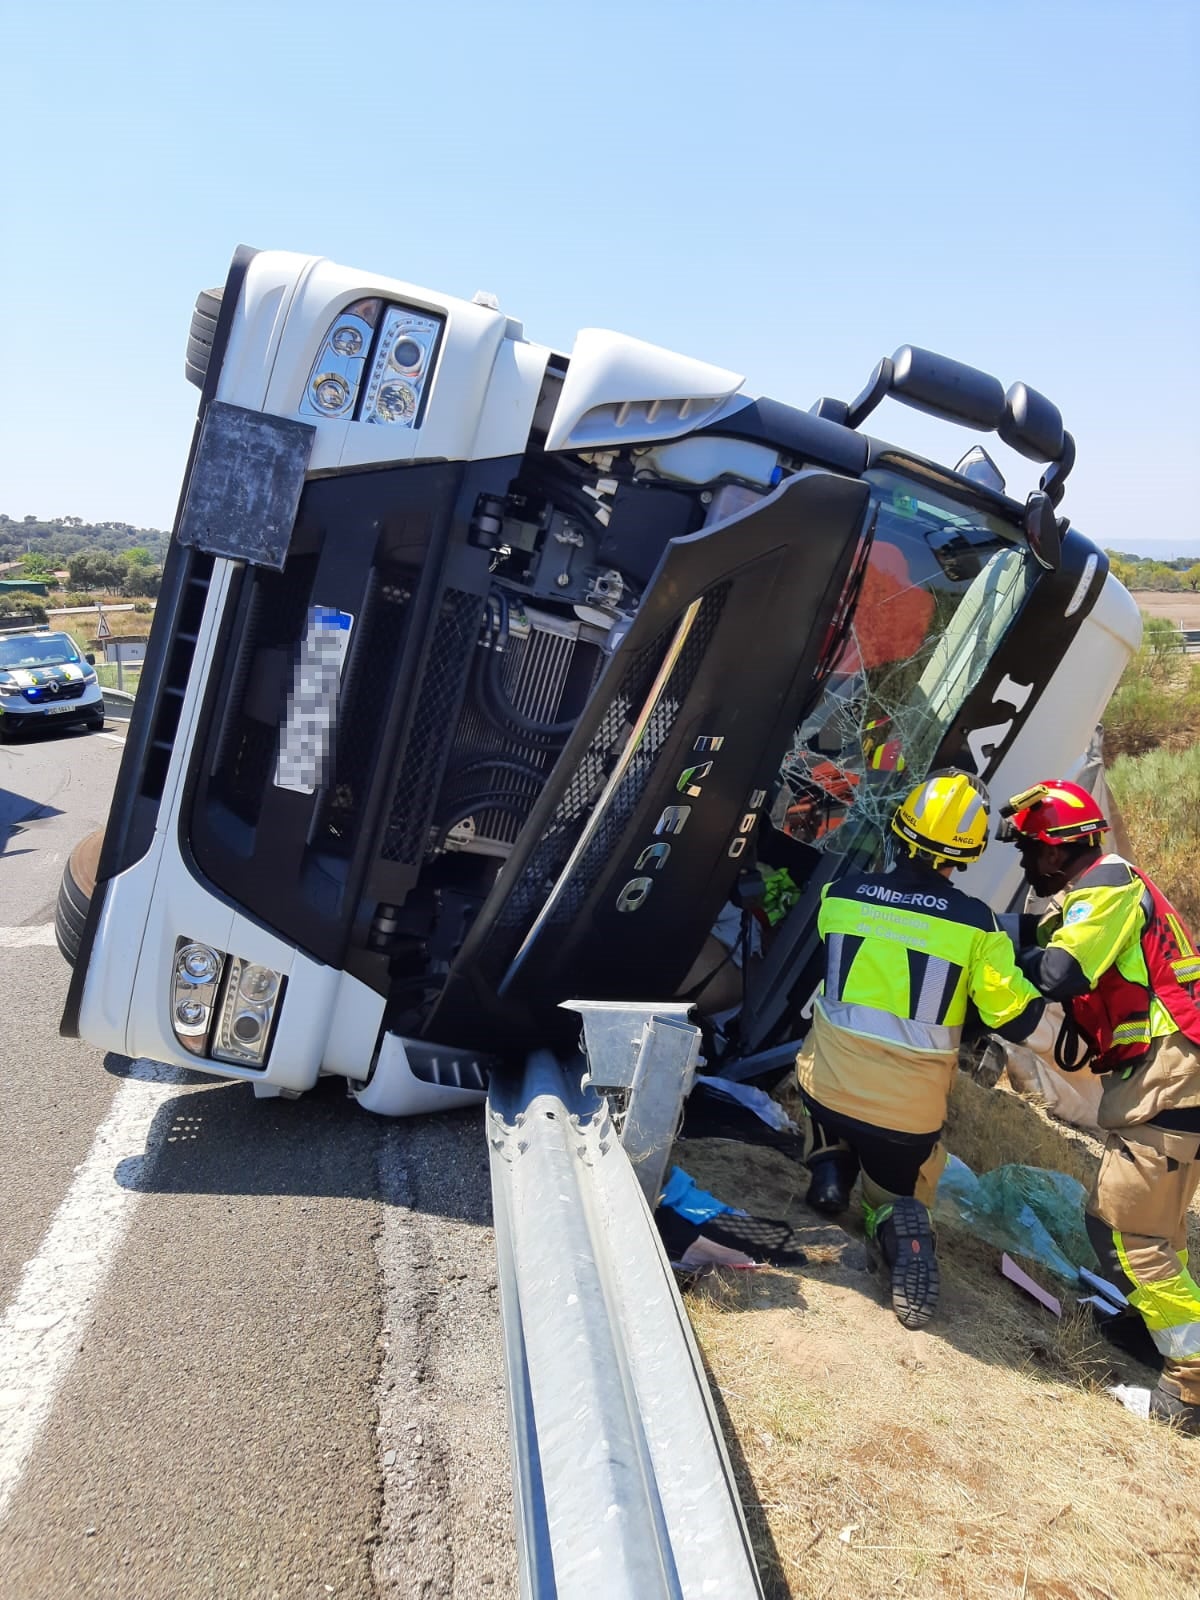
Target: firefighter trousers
[
  {"x": 891, "y": 1164},
  {"x": 1137, "y": 1222}
]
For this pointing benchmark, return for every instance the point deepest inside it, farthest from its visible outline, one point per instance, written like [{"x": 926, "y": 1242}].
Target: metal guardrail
[
  {"x": 621, "y": 1479},
  {"x": 118, "y": 705},
  {"x": 1189, "y": 638}
]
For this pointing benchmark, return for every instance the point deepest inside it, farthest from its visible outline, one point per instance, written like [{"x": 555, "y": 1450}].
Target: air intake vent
[{"x": 174, "y": 682}]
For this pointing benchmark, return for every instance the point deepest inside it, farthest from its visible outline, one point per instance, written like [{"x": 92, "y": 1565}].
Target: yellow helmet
[{"x": 945, "y": 819}]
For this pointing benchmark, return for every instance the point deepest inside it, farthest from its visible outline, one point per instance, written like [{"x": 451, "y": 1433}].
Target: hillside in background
[
  {"x": 69, "y": 536},
  {"x": 1185, "y": 549}
]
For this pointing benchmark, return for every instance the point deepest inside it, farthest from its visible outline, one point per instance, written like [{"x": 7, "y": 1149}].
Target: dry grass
[{"x": 978, "y": 1458}]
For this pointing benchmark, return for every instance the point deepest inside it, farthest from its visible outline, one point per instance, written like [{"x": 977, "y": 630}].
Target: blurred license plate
[
  {"x": 53, "y": 711},
  {"x": 306, "y": 738}
]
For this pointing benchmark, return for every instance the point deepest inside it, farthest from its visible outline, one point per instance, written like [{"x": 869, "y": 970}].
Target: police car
[{"x": 45, "y": 681}]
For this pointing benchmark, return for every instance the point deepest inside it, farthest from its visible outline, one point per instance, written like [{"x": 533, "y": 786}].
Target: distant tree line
[
  {"x": 1181, "y": 574},
  {"x": 99, "y": 557}
]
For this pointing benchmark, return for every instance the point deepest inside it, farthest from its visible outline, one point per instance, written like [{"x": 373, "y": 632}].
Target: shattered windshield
[
  {"x": 942, "y": 585},
  {"x": 52, "y": 651}
]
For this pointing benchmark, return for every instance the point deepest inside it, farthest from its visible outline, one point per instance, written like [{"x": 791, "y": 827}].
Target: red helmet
[{"x": 1056, "y": 812}]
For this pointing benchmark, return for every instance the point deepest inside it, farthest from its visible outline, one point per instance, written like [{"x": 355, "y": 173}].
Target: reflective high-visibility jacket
[
  {"x": 1095, "y": 955},
  {"x": 907, "y": 958}
]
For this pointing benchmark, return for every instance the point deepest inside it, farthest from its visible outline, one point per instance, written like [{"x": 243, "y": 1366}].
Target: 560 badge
[{"x": 674, "y": 819}]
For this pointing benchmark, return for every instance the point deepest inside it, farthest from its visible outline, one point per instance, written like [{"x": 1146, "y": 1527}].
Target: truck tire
[
  {"x": 201, "y": 334},
  {"x": 75, "y": 894}
]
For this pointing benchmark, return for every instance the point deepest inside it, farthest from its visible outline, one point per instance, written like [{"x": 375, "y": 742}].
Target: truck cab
[{"x": 487, "y": 677}]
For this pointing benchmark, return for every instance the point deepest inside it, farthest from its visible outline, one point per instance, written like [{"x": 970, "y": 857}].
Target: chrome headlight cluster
[
  {"x": 404, "y": 342},
  {"x": 222, "y": 1006}
]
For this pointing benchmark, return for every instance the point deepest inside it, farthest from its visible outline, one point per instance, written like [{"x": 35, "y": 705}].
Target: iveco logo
[
  {"x": 983, "y": 742},
  {"x": 674, "y": 819}
]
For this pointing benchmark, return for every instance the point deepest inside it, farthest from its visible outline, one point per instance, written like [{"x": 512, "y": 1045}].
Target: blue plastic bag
[
  {"x": 683, "y": 1195},
  {"x": 1028, "y": 1211}
]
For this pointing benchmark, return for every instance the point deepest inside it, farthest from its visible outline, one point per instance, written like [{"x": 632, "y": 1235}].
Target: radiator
[{"x": 549, "y": 667}]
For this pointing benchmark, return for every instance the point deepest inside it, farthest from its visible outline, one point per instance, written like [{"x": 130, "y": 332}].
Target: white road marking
[
  {"x": 24, "y": 938},
  {"x": 113, "y": 738},
  {"x": 42, "y": 1328}
]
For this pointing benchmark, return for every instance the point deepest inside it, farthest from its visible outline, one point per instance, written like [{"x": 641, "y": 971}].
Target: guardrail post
[{"x": 651, "y": 1052}]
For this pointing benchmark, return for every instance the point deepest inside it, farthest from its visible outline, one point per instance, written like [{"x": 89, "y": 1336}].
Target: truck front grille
[{"x": 442, "y": 684}]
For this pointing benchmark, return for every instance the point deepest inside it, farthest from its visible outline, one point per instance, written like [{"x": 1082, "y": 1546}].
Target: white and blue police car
[{"x": 44, "y": 681}]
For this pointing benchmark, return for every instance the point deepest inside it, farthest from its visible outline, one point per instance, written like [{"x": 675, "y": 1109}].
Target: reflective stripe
[
  {"x": 1187, "y": 970},
  {"x": 833, "y": 966},
  {"x": 1170, "y": 1308},
  {"x": 933, "y": 990},
  {"x": 1137, "y": 1032},
  {"x": 1178, "y": 1344},
  {"x": 909, "y": 1035},
  {"x": 1183, "y": 943}
]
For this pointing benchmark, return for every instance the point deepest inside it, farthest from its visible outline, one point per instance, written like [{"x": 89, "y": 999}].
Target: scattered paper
[
  {"x": 704, "y": 1252},
  {"x": 1013, "y": 1272},
  {"x": 1133, "y": 1398}
]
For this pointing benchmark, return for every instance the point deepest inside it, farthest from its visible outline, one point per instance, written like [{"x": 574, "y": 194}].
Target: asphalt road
[{"x": 283, "y": 1374}]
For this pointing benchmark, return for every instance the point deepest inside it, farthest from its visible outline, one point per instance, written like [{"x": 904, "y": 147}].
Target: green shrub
[
  {"x": 21, "y": 607},
  {"x": 1159, "y": 797},
  {"x": 1158, "y": 698},
  {"x": 1141, "y": 715}
]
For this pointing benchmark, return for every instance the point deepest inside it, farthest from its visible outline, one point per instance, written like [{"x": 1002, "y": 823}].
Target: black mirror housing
[
  {"x": 946, "y": 389},
  {"x": 1031, "y": 424},
  {"x": 1043, "y": 531}
]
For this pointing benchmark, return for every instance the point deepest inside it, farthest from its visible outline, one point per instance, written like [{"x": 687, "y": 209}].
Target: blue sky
[{"x": 788, "y": 189}]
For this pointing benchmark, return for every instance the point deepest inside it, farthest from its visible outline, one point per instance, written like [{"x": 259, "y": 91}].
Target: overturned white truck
[{"x": 486, "y": 677}]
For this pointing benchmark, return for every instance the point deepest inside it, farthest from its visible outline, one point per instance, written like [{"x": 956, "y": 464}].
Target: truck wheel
[
  {"x": 75, "y": 894},
  {"x": 201, "y": 334}
]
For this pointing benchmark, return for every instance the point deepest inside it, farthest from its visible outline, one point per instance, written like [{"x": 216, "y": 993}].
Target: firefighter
[
  {"x": 909, "y": 960},
  {"x": 1120, "y": 959}
]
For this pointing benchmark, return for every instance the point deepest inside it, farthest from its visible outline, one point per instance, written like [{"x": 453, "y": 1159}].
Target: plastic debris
[
  {"x": 1030, "y": 1211},
  {"x": 756, "y": 1100},
  {"x": 1104, "y": 1289},
  {"x": 684, "y": 1195},
  {"x": 1014, "y": 1274},
  {"x": 685, "y": 1209}
]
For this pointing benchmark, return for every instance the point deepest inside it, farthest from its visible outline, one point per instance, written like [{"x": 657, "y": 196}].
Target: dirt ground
[
  {"x": 1182, "y": 607},
  {"x": 980, "y": 1457}
]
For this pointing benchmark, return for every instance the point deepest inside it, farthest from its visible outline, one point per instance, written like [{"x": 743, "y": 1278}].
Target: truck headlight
[
  {"x": 223, "y": 1007},
  {"x": 333, "y": 383},
  {"x": 401, "y": 369},
  {"x": 249, "y": 999},
  {"x": 195, "y": 978},
  {"x": 404, "y": 341}
]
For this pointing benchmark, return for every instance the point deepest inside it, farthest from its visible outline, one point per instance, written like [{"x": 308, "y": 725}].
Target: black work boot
[
  {"x": 1177, "y": 1413},
  {"x": 905, "y": 1236},
  {"x": 833, "y": 1176}
]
